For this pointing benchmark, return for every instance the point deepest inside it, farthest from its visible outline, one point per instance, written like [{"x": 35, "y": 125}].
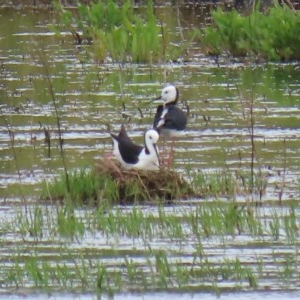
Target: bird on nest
[{"x": 132, "y": 156}]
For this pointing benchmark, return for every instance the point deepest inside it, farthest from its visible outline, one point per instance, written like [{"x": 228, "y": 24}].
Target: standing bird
[
  {"x": 170, "y": 121},
  {"x": 132, "y": 156}
]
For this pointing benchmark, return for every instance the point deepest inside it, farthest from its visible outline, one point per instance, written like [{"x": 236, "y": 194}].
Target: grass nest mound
[
  {"x": 136, "y": 185},
  {"x": 109, "y": 182}
]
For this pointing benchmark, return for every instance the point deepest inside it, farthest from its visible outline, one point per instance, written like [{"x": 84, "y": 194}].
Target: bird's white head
[
  {"x": 169, "y": 94},
  {"x": 151, "y": 137}
]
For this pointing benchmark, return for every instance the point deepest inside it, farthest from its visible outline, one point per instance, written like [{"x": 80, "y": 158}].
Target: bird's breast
[{"x": 161, "y": 121}]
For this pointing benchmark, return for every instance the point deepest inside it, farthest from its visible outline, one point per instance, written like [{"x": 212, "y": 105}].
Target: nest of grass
[{"x": 136, "y": 185}]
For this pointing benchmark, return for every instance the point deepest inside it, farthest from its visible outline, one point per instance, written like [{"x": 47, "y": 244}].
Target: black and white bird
[
  {"x": 170, "y": 121},
  {"x": 132, "y": 156}
]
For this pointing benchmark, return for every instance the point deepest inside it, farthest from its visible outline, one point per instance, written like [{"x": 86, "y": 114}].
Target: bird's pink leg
[
  {"x": 108, "y": 155},
  {"x": 170, "y": 159},
  {"x": 163, "y": 152}
]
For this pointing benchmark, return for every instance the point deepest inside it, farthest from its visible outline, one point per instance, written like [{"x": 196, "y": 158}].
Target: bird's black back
[
  {"x": 175, "y": 118},
  {"x": 128, "y": 150}
]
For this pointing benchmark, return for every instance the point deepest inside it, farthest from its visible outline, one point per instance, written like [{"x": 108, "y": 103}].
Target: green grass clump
[
  {"x": 207, "y": 246},
  {"x": 274, "y": 35},
  {"x": 225, "y": 183},
  {"x": 84, "y": 187},
  {"x": 109, "y": 183},
  {"x": 159, "y": 272},
  {"x": 118, "y": 32},
  {"x": 213, "y": 183}
]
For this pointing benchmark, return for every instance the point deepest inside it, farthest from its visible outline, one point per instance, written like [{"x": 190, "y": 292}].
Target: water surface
[{"x": 93, "y": 99}]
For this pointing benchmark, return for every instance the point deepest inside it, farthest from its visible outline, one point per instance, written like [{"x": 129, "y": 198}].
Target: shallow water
[
  {"x": 91, "y": 101},
  {"x": 183, "y": 296}
]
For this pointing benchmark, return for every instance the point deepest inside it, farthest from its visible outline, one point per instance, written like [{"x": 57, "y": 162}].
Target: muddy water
[{"x": 95, "y": 98}]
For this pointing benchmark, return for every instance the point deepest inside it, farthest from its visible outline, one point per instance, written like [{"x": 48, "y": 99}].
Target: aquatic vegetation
[
  {"x": 226, "y": 183},
  {"x": 67, "y": 224},
  {"x": 160, "y": 272},
  {"x": 81, "y": 186},
  {"x": 274, "y": 35},
  {"x": 167, "y": 248},
  {"x": 108, "y": 182},
  {"x": 212, "y": 183},
  {"x": 217, "y": 242},
  {"x": 117, "y": 32}
]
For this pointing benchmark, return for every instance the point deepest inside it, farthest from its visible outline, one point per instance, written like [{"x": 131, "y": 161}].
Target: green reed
[
  {"x": 226, "y": 183},
  {"x": 242, "y": 35},
  {"x": 212, "y": 183},
  {"x": 81, "y": 186},
  {"x": 87, "y": 186},
  {"x": 208, "y": 219},
  {"x": 160, "y": 272},
  {"x": 68, "y": 225},
  {"x": 160, "y": 268},
  {"x": 31, "y": 222},
  {"x": 211, "y": 219},
  {"x": 289, "y": 269},
  {"x": 291, "y": 225},
  {"x": 117, "y": 31}
]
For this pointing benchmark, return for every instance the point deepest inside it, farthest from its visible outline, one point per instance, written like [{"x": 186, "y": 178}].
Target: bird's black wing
[
  {"x": 128, "y": 150},
  {"x": 175, "y": 118}
]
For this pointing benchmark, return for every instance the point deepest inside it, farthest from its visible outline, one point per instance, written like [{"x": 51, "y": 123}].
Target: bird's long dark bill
[
  {"x": 157, "y": 99},
  {"x": 156, "y": 151}
]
